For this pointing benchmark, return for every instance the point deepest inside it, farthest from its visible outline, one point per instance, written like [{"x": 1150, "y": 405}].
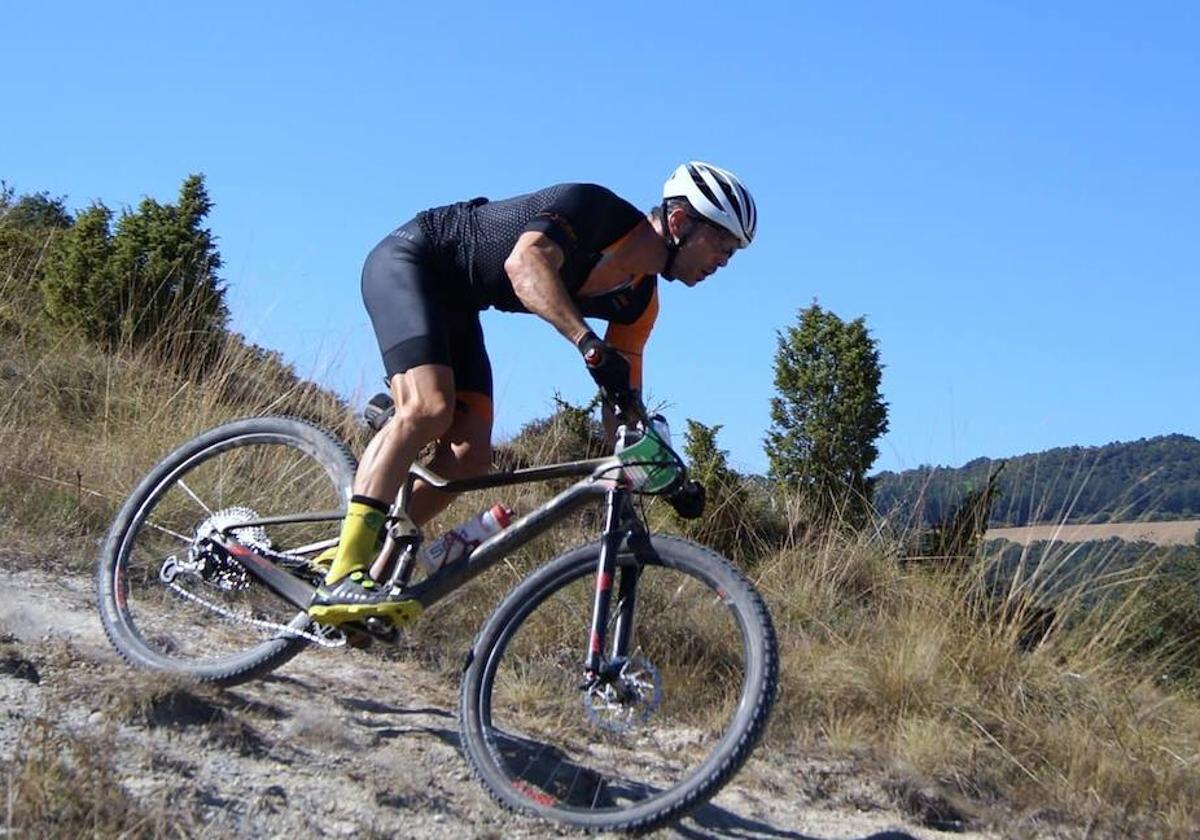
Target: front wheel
[
  {"x": 682, "y": 715},
  {"x": 168, "y": 601}
]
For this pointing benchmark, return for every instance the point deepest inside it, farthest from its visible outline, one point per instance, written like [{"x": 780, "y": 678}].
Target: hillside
[
  {"x": 914, "y": 698},
  {"x": 1155, "y": 479},
  {"x": 338, "y": 744}
]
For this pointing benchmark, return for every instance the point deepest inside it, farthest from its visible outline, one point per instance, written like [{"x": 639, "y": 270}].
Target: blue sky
[{"x": 1008, "y": 192}]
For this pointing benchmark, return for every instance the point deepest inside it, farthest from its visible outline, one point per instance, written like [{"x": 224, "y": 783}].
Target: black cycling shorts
[{"x": 415, "y": 315}]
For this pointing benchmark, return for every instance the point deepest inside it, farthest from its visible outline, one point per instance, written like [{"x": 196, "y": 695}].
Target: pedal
[
  {"x": 382, "y": 629},
  {"x": 357, "y": 636}
]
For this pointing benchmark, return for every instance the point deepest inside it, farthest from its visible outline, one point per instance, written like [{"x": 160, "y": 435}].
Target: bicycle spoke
[
  {"x": 312, "y": 548},
  {"x": 169, "y": 532},
  {"x": 285, "y": 478},
  {"x": 574, "y": 782},
  {"x": 534, "y": 760},
  {"x": 188, "y": 490}
]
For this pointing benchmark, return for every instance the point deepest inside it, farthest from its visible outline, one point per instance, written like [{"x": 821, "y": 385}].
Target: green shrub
[
  {"x": 155, "y": 272},
  {"x": 1166, "y": 625},
  {"x": 742, "y": 518}
]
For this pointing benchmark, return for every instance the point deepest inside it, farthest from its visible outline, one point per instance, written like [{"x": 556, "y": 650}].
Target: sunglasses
[{"x": 726, "y": 241}]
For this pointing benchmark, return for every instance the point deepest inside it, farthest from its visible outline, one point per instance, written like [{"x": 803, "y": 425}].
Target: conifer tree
[
  {"x": 79, "y": 290},
  {"x": 827, "y": 413},
  {"x": 157, "y": 271},
  {"x": 28, "y": 225}
]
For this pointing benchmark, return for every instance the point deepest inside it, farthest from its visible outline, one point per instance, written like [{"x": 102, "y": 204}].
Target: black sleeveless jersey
[{"x": 472, "y": 239}]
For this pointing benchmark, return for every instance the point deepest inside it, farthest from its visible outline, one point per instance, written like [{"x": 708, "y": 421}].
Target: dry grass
[
  {"x": 78, "y": 428},
  {"x": 62, "y": 785},
  {"x": 911, "y": 667},
  {"x": 915, "y": 668}
]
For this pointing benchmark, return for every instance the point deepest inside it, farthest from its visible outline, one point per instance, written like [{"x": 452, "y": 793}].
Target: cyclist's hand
[
  {"x": 608, "y": 368},
  {"x": 689, "y": 500}
]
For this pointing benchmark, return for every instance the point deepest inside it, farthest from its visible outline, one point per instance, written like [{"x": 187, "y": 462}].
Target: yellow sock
[{"x": 360, "y": 538}]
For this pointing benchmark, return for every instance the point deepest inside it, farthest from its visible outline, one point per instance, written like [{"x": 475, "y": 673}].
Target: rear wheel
[
  {"x": 675, "y": 722},
  {"x": 167, "y": 600}
]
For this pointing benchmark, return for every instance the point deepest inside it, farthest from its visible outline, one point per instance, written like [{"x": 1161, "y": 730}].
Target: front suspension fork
[{"x": 616, "y": 531}]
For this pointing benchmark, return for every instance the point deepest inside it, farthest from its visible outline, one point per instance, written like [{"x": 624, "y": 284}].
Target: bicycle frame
[{"x": 601, "y": 478}]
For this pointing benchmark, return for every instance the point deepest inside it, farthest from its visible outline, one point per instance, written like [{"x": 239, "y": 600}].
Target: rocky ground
[{"x": 348, "y": 743}]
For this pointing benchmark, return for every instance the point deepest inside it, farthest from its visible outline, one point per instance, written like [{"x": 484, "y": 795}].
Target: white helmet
[{"x": 717, "y": 195}]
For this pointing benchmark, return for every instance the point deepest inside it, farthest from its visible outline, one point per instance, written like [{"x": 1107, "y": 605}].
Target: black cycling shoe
[{"x": 357, "y": 597}]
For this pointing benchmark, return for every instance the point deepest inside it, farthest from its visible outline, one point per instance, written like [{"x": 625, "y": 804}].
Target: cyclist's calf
[{"x": 465, "y": 451}]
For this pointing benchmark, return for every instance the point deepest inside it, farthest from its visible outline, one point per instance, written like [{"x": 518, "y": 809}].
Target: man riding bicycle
[{"x": 563, "y": 253}]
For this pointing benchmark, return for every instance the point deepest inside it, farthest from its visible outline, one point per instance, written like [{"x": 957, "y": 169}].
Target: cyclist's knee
[
  {"x": 424, "y": 398},
  {"x": 428, "y": 419}
]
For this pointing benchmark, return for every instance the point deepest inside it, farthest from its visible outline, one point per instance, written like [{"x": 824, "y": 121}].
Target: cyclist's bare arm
[{"x": 533, "y": 269}]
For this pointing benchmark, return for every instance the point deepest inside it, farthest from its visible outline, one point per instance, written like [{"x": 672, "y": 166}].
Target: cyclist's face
[{"x": 708, "y": 247}]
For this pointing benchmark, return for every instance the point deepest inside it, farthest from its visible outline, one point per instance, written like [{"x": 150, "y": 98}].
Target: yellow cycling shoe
[{"x": 357, "y": 597}]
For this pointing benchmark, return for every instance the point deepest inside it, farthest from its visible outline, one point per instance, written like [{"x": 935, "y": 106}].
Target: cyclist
[{"x": 563, "y": 253}]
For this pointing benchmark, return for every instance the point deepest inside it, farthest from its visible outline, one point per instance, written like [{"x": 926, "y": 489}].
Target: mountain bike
[{"x": 616, "y": 687}]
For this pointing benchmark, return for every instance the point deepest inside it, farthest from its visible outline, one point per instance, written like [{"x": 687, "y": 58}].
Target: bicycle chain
[{"x": 330, "y": 637}]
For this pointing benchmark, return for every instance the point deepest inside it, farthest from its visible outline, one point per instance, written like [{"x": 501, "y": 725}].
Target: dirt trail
[{"x": 345, "y": 743}]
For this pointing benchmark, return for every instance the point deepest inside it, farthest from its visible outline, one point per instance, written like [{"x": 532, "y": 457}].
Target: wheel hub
[
  {"x": 626, "y": 701},
  {"x": 214, "y": 566}
]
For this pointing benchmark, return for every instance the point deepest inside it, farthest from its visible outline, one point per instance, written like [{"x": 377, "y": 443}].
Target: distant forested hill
[{"x": 1155, "y": 478}]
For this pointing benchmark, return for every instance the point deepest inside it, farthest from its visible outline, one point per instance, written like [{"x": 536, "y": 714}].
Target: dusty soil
[
  {"x": 1160, "y": 533},
  {"x": 356, "y": 743}
]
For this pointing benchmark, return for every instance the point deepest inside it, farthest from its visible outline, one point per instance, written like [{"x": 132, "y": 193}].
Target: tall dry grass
[
  {"x": 79, "y": 427},
  {"x": 933, "y": 671},
  {"x": 930, "y": 673}
]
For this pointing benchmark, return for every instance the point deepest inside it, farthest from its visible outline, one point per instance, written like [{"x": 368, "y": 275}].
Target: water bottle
[{"x": 461, "y": 541}]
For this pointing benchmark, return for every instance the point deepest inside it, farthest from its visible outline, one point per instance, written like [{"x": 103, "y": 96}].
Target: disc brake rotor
[{"x": 624, "y": 703}]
